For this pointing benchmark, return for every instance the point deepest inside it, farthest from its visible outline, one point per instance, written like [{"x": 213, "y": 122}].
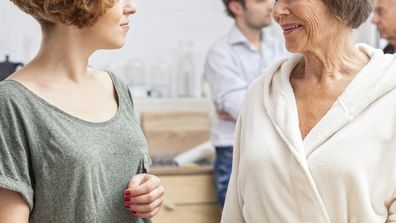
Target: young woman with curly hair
[{"x": 70, "y": 146}]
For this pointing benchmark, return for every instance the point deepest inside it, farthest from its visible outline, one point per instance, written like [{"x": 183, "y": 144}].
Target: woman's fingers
[
  {"x": 148, "y": 207},
  {"x": 143, "y": 184},
  {"x": 144, "y": 196},
  {"x": 148, "y": 197},
  {"x": 147, "y": 214}
]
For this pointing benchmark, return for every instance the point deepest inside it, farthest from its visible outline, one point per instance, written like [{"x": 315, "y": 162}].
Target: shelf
[{"x": 172, "y": 104}]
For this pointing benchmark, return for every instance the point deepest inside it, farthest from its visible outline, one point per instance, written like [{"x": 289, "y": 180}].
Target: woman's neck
[
  {"x": 332, "y": 60},
  {"x": 64, "y": 53}
]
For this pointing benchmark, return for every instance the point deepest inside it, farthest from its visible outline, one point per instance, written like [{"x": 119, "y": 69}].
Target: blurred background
[{"x": 162, "y": 63}]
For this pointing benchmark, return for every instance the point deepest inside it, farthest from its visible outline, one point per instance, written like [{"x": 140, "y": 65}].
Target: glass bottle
[{"x": 185, "y": 69}]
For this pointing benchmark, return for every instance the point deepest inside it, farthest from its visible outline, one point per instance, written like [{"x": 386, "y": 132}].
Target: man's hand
[
  {"x": 224, "y": 115},
  {"x": 144, "y": 196}
]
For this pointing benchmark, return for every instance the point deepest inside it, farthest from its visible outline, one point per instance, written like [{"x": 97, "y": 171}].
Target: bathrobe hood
[{"x": 375, "y": 80}]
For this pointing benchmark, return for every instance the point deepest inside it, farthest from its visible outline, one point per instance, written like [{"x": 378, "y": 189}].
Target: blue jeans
[{"x": 222, "y": 172}]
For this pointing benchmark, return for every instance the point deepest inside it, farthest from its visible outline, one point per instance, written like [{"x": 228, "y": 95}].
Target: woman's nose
[
  {"x": 280, "y": 9},
  {"x": 374, "y": 18},
  {"x": 129, "y": 7},
  {"x": 270, "y": 6}
]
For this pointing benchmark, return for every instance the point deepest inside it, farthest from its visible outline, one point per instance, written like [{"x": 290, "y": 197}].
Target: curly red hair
[{"x": 81, "y": 13}]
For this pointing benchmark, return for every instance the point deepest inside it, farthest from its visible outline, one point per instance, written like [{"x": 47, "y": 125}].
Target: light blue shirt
[{"x": 231, "y": 65}]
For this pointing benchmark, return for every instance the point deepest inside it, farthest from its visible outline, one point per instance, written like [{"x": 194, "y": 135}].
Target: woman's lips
[
  {"x": 125, "y": 25},
  {"x": 289, "y": 28}
]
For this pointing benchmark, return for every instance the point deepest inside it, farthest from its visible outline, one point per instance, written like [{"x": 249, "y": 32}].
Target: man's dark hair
[{"x": 227, "y": 2}]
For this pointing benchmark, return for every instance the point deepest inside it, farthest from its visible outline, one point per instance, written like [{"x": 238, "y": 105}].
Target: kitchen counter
[{"x": 166, "y": 170}]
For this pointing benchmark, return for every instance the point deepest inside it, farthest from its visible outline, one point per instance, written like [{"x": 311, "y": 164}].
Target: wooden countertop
[{"x": 158, "y": 170}]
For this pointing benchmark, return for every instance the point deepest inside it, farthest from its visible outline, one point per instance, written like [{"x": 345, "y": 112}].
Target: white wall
[
  {"x": 19, "y": 34},
  {"x": 156, "y": 31}
]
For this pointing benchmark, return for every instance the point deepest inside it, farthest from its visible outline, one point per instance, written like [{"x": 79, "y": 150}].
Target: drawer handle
[{"x": 170, "y": 207}]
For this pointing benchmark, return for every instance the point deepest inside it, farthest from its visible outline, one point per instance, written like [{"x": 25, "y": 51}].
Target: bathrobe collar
[{"x": 377, "y": 78}]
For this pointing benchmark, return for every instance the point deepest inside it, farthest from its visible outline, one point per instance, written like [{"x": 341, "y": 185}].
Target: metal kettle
[{"x": 7, "y": 67}]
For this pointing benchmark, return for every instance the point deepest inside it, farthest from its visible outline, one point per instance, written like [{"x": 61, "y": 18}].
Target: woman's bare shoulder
[
  {"x": 23, "y": 75},
  {"x": 29, "y": 76},
  {"x": 102, "y": 76}
]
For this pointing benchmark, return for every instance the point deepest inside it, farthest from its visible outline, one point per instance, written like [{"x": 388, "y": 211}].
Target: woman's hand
[{"x": 144, "y": 196}]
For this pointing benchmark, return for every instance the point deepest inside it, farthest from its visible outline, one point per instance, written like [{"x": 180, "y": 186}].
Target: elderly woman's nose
[
  {"x": 280, "y": 9},
  {"x": 374, "y": 18},
  {"x": 270, "y": 5}
]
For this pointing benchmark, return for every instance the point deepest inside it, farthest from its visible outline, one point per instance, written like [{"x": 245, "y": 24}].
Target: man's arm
[
  {"x": 13, "y": 208},
  {"x": 227, "y": 86}
]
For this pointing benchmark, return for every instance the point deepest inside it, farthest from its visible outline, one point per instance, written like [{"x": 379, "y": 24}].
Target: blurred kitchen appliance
[
  {"x": 7, "y": 67},
  {"x": 134, "y": 74},
  {"x": 161, "y": 78},
  {"x": 202, "y": 151}
]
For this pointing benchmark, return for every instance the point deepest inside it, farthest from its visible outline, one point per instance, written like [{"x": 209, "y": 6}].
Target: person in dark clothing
[
  {"x": 7, "y": 67},
  {"x": 389, "y": 49}
]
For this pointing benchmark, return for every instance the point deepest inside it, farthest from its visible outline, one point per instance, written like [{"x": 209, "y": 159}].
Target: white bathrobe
[{"x": 343, "y": 171}]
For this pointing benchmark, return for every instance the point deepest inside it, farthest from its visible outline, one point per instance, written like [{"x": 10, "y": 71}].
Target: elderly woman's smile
[
  {"x": 291, "y": 27},
  {"x": 313, "y": 17},
  {"x": 309, "y": 25}
]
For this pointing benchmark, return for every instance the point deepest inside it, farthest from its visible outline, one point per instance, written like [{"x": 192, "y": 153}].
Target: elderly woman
[
  {"x": 71, "y": 149},
  {"x": 316, "y": 138}
]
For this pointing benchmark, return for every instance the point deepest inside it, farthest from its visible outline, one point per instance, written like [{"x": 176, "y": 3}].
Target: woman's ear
[{"x": 236, "y": 7}]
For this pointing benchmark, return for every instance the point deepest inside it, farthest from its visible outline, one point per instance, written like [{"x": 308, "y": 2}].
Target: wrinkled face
[
  {"x": 385, "y": 18},
  {"x": 111, "y": 28},
  {"x": 257, "y": 13},
  {"x": 306, "y": 24}
]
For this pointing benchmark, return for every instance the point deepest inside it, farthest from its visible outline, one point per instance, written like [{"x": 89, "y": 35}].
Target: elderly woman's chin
[{"x": 293, "y": 47}]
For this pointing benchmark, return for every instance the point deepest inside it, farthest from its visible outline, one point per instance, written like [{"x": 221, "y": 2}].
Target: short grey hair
[{"x": 351, "y": 12}]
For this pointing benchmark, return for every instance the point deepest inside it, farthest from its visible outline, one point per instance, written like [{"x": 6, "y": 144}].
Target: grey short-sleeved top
[{"x": 68, "y": 169}]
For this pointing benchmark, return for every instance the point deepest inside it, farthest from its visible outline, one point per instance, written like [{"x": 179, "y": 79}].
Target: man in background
[
  {"x": 232, "y": 63},
  {"x": 385, "y": 19}
]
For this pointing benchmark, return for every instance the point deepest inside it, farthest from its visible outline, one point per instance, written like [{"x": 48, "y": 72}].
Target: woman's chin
[
  {"x": 292, "y": 49},
  {"x": 114, "y": 45},
  {"x": 119, "y": 46}
]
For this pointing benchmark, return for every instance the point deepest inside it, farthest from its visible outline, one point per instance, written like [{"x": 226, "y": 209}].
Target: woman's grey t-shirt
[{"x": 68, "y": 169}]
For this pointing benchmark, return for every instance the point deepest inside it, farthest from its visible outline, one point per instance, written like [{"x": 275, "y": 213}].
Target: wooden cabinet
[
  {"x": 173, "y": 127},
  {"x": 190, "y": 195},
  {"x": 173, "y": 132}
]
